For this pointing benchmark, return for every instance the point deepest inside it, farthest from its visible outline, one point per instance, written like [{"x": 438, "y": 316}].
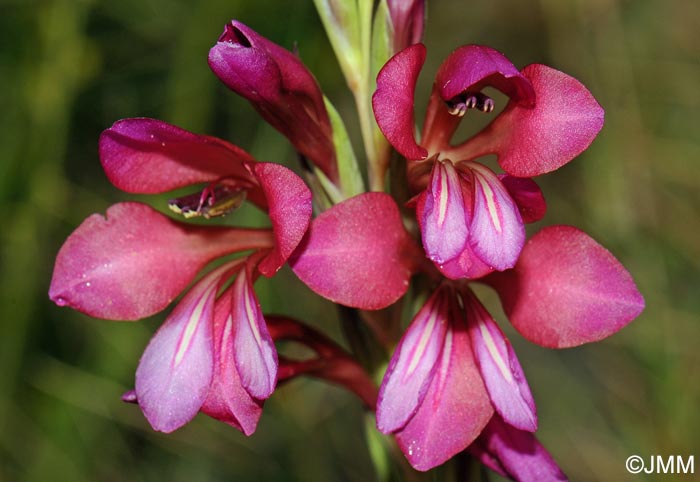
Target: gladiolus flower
[
  {"x": 454, "y": 366},
  {"x": 472, "y": 220},
  {"x": 213, "y": 353}
]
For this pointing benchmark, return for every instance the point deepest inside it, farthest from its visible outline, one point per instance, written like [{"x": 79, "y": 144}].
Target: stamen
[
  {"x": 470, "y": 100},
  {"x": 212, "y": 202}
]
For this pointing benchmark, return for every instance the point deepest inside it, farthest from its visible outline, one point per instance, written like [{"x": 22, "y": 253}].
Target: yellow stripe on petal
[
  {"x": 495, "y": 354},
  {"x": 490, "y": 201},
  {"x": 442, "y": 206},
  {"x": 422, "y": 344},
  {"x": 251, "y": 316},
  {"x": 192, "y": 324}
]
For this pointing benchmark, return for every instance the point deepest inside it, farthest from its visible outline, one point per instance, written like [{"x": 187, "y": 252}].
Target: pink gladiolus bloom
[
  {"x": 213, "y": 353},
  {"x": 472, "y": 220},
  {"x": 454, "y": 366}
]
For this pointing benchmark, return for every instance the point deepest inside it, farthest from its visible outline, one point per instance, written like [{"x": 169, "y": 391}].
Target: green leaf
[{"x": 351, "y": 182}]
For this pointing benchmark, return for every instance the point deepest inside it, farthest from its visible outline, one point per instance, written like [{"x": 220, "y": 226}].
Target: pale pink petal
[
  {"x": 255, "y": 352},
  {"x": 527, "y": 195},
  {"x": 136, "y": 261},
  {"x": 393, "y": 100},
  {"x": 567, "y": 290},
  {"x": 466, "y": 264},
  {"x": 455, "y": 408},
  {"x": 472, "y": 67},
  {"x": 227, "y": 400},
  {"x": 357, "y": 253},
  {"x": 413, "y": 364},
  {"x": 175, "y": 371},
  {"x": 443, "y": 220},
  {"x": 289, "y": 208},
  {"x": 515, "y": 454},
  {"x": 499, "y": 367},
  {"x": 151, "y": 156},
  {"x": 497, "y": 232},
  {"x": 533, "y": 141}
]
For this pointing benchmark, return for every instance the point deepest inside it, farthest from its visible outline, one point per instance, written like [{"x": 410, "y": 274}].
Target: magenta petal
[
  {"x": 151, "y": 156},
  {"x": 413, "y": 364},
  {"x": 136, "y": 261},
  {"x": 444, "y": 224},
  {"x": 289, "y": 208},
  {"x": 516, "y": 454},
  {"x": 357, "y": 253},
  {"x": 227, "y": 400},
  {"x": 455, "y": 408},
  {"x": 497, "y": 232},
  {"x": 567, "y": 290},
  {"x": 175, "y": 371},
  {"x": 255, "y": 353},
  {"x": 527, "y": 195},
  {"x": 563, "y": 123},
  {"x": 472, "y": 67},
  {"x": 393, "y": 100},
  {"x": 466, "y": 266},
  {"x": 280, "y": 88},
  {"x": 499, "y": 367}
]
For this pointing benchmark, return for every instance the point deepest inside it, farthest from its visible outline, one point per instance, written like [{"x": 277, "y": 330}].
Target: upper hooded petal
[
  {"x": 530, "y": 141},
  {"x": 150, "y": 156},
  {"x": 255, "y": 352},
  {"x": 499, "y": 367},
  {"x": 473, "y": 67},
  {"x": 413, "y": 364},
  {"x": 135, "y": 261},
  {"x": 393, "y": 100},
  {"x": 280, "y": 88},
  {"x": 227, "y": 400},
  {"x": 567, "y": 290},
  {"x": 175, "y": 371},
  {"x": 455, "y": 408},
  {"x": 357, "y": 253},
  {"x": 289, "y": 208},
  {"x": 516, "y": 454}
]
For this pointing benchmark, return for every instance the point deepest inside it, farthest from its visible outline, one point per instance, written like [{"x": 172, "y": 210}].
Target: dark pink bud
[
  {"x": 408, "y": 21},
  {"x": 280, "y": 88}
]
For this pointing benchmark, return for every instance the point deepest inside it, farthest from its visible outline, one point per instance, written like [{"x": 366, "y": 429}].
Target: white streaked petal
[
  {"x": 256, "y": 356},
  {"x": 497, "y": 232},
  {"x": 412, "y": 366},
  {"x": 499, "y": 367}
]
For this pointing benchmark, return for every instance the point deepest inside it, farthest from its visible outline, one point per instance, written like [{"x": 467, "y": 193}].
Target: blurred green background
[{"x": 69, "y": 68}]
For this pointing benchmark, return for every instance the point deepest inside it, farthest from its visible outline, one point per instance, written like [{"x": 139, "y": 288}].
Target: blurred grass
[{"x": 69, "y": 68}]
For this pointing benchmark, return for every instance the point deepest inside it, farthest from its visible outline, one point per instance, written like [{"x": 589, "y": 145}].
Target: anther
[
  {"x": 470, "y": 100},
  {"x": 212, "y": 202}
]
